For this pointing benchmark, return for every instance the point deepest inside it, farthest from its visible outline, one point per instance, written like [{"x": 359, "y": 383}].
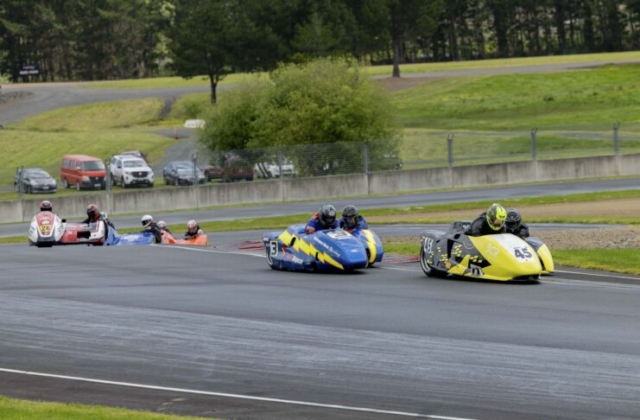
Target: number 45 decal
[{"x": 522, "y": 253}]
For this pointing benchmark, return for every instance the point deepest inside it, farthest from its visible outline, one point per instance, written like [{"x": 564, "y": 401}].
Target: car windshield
[
  {"x": 133, "y": 163},
  {"x": 36, "y": 174},
  {"x": 93, "y": 165}
]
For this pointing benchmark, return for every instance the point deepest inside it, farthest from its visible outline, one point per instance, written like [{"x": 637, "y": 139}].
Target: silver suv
[{"x": 129, "y": 171}]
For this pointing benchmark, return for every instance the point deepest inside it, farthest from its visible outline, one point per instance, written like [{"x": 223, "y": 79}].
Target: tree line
[{"x": 73, "y": 40}]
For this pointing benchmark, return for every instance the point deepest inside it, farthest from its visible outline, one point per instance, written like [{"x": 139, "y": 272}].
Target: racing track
[
  {"x": 218, "y": 320},
  {"x": 176, "y": 328}
]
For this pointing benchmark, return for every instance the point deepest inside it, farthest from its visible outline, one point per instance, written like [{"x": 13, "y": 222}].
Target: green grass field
[{"x": 490, "y": 117}]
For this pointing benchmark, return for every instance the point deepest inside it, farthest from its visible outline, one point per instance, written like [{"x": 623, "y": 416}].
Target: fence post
[
  {"x": 107, "y": 186},
  {"x": 20, "y": 186},
  {"x": 280, "y": 155},
  {"x": 616, "y": 138},
  {"x": 196, "y": 181},
  {"x": 450, "y": 149},
  {"x": 365, "y": 158},
  {"x": 534, "y": 143}
]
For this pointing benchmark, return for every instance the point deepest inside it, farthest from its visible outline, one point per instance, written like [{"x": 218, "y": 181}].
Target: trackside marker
[{"x": 222, "y": 394}]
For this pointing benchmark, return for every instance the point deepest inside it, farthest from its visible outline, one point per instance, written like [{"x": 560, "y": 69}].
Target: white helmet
[{"x": 146, "y": 219}]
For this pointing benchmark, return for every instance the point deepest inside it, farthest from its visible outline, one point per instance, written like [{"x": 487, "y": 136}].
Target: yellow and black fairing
[
  {"x": 502, "y": 257},
  {"x": 371, "y": 243},
  {"x": 546, "y": 260}
]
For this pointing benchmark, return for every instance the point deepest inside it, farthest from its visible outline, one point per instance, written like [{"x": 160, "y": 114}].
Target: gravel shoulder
[{"x": 627, "y": 237}]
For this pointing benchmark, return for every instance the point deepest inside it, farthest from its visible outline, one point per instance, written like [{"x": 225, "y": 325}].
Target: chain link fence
[{"x": 421, "y": 149}]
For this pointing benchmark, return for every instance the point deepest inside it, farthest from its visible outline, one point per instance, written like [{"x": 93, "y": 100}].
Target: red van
[{"x": 85, "y": 172}]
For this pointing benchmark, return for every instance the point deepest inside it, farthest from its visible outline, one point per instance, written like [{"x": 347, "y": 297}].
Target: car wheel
[
  {"x": 29, "y": 189},
  {"x": 270, "y": 260},
  {"x": 427, "y": 268},
  {"x": 122, "y": 184},
  {"x": 65, "y": 183},
  {"x": 78, "y": 186},
  {"x": 166, "y": 181}
]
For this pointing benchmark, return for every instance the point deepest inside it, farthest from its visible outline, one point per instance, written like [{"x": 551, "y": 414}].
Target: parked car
[
  {"x": 387, "y": 162},
  {"x": 85, "y": 172},
  {"x": 181, "y": 172},
  {"x": 228, "y": 168},
  {"x": 136, "y": 153},
  {"x": 273, "y": 170},
  {"x": 32, "y": 180},
  {"x": 129, "y": 170}
]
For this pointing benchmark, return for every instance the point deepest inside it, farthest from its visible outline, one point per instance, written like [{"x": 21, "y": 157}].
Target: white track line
[
  {"x": 609, "y": 276},
  {"x": 237, "y": 396}
]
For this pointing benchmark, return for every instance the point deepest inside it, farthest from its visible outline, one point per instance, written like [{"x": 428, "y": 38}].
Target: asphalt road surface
[{"x": 215, "y": 332}]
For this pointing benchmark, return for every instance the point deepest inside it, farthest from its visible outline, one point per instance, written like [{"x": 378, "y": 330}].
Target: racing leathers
[
  {"x": 196, "y": 232},
  {"x": 480, "y": 226},
  {"x": 314, "y": 224},
  {"x": 522, "y": 231},
  {"x": 153, "y": 228}
]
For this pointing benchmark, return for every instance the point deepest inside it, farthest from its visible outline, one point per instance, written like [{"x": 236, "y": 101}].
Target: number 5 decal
[{"x": 273, "y": 248}]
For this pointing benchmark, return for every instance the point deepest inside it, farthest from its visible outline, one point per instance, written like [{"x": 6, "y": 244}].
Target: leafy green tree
[
  {"x": 216, "y": 38},
  {"x": 321, "y": 102}
]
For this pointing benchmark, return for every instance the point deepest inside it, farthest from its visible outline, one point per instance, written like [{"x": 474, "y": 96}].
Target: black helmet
[
  {"x": 92, "y": 211},
  {"x": 514, "y": 220},
  {"x": 46, "y": 206},
  {"x": 350, "y": 216},
  {"x": 327, "y": 215}
]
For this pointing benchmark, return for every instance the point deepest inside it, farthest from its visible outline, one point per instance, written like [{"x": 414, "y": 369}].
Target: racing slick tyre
[
  {"x": 428, "y": 269},
  {"x": 270, "y": 261}
]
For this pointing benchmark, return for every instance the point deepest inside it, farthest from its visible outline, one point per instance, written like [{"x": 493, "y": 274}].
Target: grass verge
[{"x": 13, "y": 409}]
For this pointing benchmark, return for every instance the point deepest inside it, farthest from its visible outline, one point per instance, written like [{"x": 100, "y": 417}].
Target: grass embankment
[
  {"x": 13, "y": 409},
  {"x": 491, "y": 116},
  {"x": 100, "y": 129}
]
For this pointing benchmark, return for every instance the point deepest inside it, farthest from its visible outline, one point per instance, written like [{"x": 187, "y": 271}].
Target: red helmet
[
  {"x": 93, "y": 212},
  {"x": 46, "y": 206}
]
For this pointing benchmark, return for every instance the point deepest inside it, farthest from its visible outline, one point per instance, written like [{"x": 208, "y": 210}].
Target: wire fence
[{"x": 421, "y": 149}]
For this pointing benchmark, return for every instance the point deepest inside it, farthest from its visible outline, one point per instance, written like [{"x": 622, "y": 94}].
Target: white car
[
  {"x": 128, "y": 171},
  {"x": 272, "y": 170}
]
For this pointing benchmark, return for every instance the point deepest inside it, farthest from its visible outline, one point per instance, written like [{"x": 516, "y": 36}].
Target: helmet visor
[{"x": 495, "y": 223}]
